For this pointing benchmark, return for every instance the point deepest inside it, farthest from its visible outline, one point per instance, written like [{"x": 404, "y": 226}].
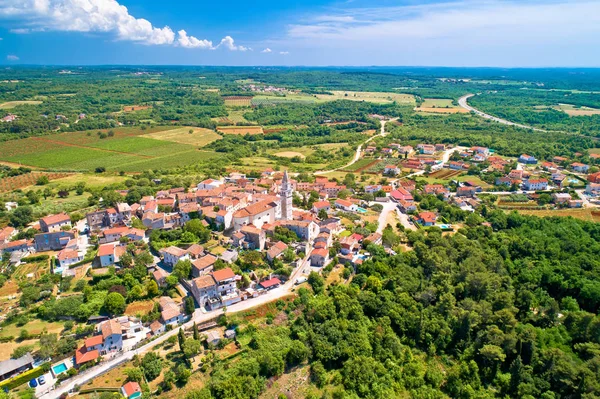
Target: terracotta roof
[
  {"x": 223, "y": 274},
  {"x": 255, "y": 209},
  {"x": 106, "y": 249},
  {"x": 204, "y": 262},
  {"x": 93, "y": 341},
  {"x": 322, "y": 204},
  {"x": 204, "y": 281},
  {"x": 110, "y": 327},
  {"x": 276, "y": 249},
  {"x": 343, "y": 203},
  {"x": 83, "y": 356},
  {"x": 272, "y": 282},
  {"x": 175, "y": 251},
  {"x": 131, "y": 387},
  {"x": 155, "y": 326},
  {"x": 195, "y": 249},
  {"x": 67, "y": 254},
  {"x": 428, "y": 217},
  {"x": 55, "y": 219},
  {"x": 320, "y": 252}
]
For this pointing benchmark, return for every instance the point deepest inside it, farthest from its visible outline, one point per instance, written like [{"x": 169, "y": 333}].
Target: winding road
[
  {"x": 463, "y": 103},
  {"x": 358, "y": 150}
]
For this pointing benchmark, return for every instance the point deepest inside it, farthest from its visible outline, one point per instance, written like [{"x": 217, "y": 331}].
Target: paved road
[
  {"x": 358, "y": 150},
  {"x": 198, "y": 317},
  {"x": 463, "y": 103}
]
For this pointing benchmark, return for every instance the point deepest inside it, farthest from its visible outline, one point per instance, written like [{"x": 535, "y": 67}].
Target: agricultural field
[
  {"x": 583, "y": 214},
  {"x": 374, "y": 97},
  {"x": 13, "y": 104},
  {"x": 360, "y": 165},
  {"x": 445, "y": 174},
  {"x": 133, "y": 108},
  {"x": 237, "y": 116},
  {"x": 28, "y": 179},
  {"x": 80, "y": 151},
  {"x": 288, "y": 98},
  {"x": 240, "y": 130},
  {"x": 237, "y": 101},
  {"x": 289, "y": 154},
  {"x": 573, "y": 110},
  {"x": 199, "y": 137},
  {"x": 90, "y": 180},
  {"x": 440, "y": 106}
]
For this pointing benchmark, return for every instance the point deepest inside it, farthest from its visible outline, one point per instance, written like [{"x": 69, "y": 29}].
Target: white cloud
[
  {"x": 229, "y": 44},
  {"x": 284, "y": 52},
  {"x": 20, "y": 31},
  {"x": 12, "y": 57},
  {"x": 267, "y": 50},
  {"x": 98, "y": 16},
  {"x": 191, "y": 42}
]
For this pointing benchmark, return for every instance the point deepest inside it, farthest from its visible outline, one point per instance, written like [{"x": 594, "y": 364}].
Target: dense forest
[{"x": 507, "y": 310}]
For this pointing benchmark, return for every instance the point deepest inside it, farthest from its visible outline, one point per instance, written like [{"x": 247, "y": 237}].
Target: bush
[{"x": 21, "y": 379}]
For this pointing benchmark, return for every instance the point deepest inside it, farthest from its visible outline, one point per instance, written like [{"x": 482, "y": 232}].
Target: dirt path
[
  {"x": 358, "y": 150},
  {"x": 90, "y": 148}
]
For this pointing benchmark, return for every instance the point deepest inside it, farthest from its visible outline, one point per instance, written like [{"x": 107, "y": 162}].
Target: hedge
[
  {"x": 25, "y": 377},
  {"x": 93, "y": 390},
  {"x": 35, "y": 258}
]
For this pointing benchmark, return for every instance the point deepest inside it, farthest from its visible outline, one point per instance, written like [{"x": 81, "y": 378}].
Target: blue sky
[{"x": 310, "y": 32}]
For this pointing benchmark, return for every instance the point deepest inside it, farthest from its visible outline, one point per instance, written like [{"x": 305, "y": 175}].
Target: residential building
[
  {"x": 306, "y": 230},
  {"x": 226, "y": 286},
  {"x": 528, "y": 159},
  {"x": 594, "y": 177},
  {"x": 536, "y": 184},
  {"x": 317, "y": 206},
  {"x": 319, "y": 257},
  {"x": 204, "y": 291},
  {"x": 392, "y": 170},
  {"x": 345, "y": 205},
  {"x": 12, "y": 367},
  {"x": 131, "y": 390},
  {"x": 257, "y": 214},
  {"x": 68, "y": 257},
  {"x": 561, "y": 198},
  {"x": 593, "y": 189},
  {"x": 270, "y": 284},
  {"x": 170, "y": 311},
  {"x": 427, "y": 218},
  {"x": 580, "y": 167},
  {"x": 203, "y": 265},
  {"x": 52, "y": 241},
  {"x": 172, "y": 255},
  {"x": 54, "y": 223},
  {"x": 276, "y": 251}
]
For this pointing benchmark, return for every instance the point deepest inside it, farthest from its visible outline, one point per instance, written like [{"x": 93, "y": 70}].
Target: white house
[
  {"x": 172, "y": 255},
  {"x": 391, "y": 170},
  {"x": 345, "y": 205},
  {"x": 536, "y": 184}
]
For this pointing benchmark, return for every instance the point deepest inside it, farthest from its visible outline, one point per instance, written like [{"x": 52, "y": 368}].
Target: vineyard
[
  {"x": 237, "y": 101},
  {"x": 12, "y": 183}
]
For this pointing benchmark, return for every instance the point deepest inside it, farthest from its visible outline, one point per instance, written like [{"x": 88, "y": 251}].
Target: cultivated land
[
  {"x": 439, "y": 106},
  {"x": 374, "y": 97},
  {"x": 237, "y": 101},
  {"x": 199, "y": 136},
  {"x": 12, "y": 104},
  {"x": 240, "y": 129},
  {"x": 577, "y": 111},
  {"x": 128, "y": 150}
]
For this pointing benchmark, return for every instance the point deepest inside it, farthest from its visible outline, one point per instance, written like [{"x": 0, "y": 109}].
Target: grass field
[
  {"x": 289, "y": 154},
  {"x": 439, "y": 106},
  {"x": 360, "y": 164},
  {"x": 374, "y": 97},
  {"x": 583, "y": 214},
  {"x": 237, "y": 116},
  {"x": 240, "y": 129},
  {"x": 572, "y": 110},
  {"x": 289, "y": 98},
  {"x": 12, "y": 104},
  {"x": 133, "y": 108},
  {"x": 200, "y": 137},
  {"x": 128, "y": 150}
]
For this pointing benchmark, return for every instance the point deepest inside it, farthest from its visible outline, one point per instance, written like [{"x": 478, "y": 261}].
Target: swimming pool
[
  {"x": 59, "y": 369},
  {"x": 361, "y": 210}
]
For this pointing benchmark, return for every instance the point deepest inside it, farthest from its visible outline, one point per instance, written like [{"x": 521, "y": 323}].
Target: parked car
[
  {"x": 33, "y": 383},
  {"x": 42, "y": 380}
]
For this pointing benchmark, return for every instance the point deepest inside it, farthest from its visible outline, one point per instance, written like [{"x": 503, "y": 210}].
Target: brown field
[
  {"x": 28, "y": 179},
  {"x": 6, "y": 348},
  {"x": 133, "y": 108},
  {"x": 237, "y": 101},
  {"x": 445, "y": 173},
  {"x": 140, "y": 307},
  {"x": 240, "y": 129},
  {"x": 583, "y": 214},
  {"x": 289, "y": 154},
  {"x": 200, "y": 136},
  {"x": 12, "y": 104}
]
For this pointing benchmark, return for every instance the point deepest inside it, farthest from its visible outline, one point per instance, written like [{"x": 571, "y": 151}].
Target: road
[
  {"x": 463, "y": 103},
  {"x": 358, "y": 150},
  {"x": 198, "y": 317}
]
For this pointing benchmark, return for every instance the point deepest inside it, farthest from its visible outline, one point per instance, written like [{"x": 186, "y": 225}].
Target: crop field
[
  {"x": 240, "y": 129},
  {"x": 379, "y": 166},
  {"x": 374, "y": 97},
  {"x": 200, "y": 137},
  {"x": 28, "y": 179},
  {"x": 237, "y": 101},
  {"x": 439, "y": 106},
  {"x": 361, "y": 165},
  {"x": 583, "y": 214},
  {"x": 12, "y": 104},
  {"x": 572, "y": 110},
  {"x": 445, "y": 174},
  {"x": 289, "y": 98},
  {"x": 289, "y": 154},
  {"x": 126, "y": 151},
  {"x": 237, "y": 116},
  {"x": 133, "y": 108}
]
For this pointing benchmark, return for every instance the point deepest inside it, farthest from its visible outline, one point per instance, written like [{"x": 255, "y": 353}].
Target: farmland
[
  {"x": 127, "y": 150},
  {"x": 289, "y": 154},
  {"x": 361, "y": 165},
  {"x": 374, "y": 97},
  {"x": 240, "y": 129},
  {"x": 28, "y": 179},
  {"x": 583, "y": 214},
  {"x": 289, "y": 98},
  {"x": 237, "y": 101},
  {"x": 573, "y": 110},
  {"x": 133, "y": 108},
  {"x": 199, "y": 137},
  {"x": 439, "y": 106},
  {"x": 13, "y": 104}
]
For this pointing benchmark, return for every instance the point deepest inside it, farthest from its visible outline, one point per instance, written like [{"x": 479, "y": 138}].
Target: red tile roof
[
  {"x": 223, "y": 274},
  {"x": 270, "y": 282},
  {"x": 83, "y": 356}
]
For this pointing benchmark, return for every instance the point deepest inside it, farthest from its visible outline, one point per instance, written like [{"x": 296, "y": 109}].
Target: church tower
[{"x": 286, "y": 193}]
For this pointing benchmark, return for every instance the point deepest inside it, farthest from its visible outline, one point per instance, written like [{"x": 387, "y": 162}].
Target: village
[{"x": 262, "y": 237}]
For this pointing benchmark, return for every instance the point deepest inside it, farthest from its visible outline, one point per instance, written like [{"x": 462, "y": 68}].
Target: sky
[{"x": 501, "y": 33}]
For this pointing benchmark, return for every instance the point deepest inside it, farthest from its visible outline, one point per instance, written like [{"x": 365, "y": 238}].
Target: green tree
[
  {"x": 114, "y": 303},
  {"x": 151, "y": 365},
  {"x": 183, "y": 269}
]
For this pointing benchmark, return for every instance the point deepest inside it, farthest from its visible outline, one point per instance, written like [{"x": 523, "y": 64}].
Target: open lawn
[
  {"x": 240, "y": 129},
  {"x": 12, "y": 104},
  {"x": 288, "y": 98},
  {"x": 124, "y": 151},
  {"x": 34, "y": 327},
  {"x": 440, "y": 106},
  {"x": 374, "y": 97},
  {"x": 572, "y": 110},
  {"x": 7, "y": 348},
  {"x": 289, "y": 154},
  {"x": 91, "y": 180},
  {"x": 199, "y": 137},
  {"x": 583, "y": 214},
  {"x": 139, "y": 308}
]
